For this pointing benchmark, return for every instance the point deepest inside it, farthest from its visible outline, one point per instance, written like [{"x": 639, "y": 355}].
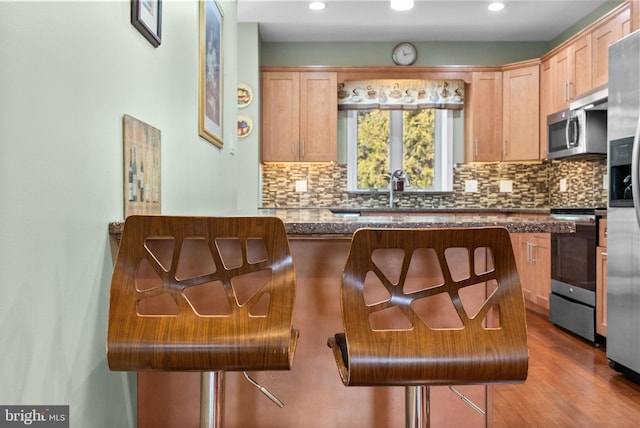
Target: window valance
[{"x": 401, "y": 94}]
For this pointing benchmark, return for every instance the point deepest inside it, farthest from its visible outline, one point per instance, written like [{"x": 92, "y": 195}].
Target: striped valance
[{"x": 401, "y": 94}]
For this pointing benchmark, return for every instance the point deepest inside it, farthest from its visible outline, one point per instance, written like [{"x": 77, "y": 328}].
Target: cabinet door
[
  {"x": 533, "y": 259},
  {"x": 605, "y": 34},
  {"x": 581, "y": 54},
  {"x": 522, "y": 254},
  {"x": 318, "y": 117},
  {"x": 484, "y": 118},
  {"x": 564, "y": 76},
  {"x": 601, "y": 291},
  {"x": 280, "y": 116},
  {"x": 521, "y": 111},
  {"x": 547, "y": 98},
  {"x": 541, "y": 261}
]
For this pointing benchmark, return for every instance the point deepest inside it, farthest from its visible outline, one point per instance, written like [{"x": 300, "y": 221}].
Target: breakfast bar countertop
[{"x": 323, "y": 221}]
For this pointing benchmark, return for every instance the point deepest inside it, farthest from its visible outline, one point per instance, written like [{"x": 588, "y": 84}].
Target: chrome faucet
[
  {"x": 392, "y": 202},
  {"x": 397, "y": 181}
]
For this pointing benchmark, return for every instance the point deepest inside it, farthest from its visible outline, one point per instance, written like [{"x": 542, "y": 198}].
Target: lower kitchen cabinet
[{"x": 533, "y": 259}]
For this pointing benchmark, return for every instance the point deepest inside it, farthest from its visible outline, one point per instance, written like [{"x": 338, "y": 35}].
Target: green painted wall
[
  {"x": 379, "y": 54},
  {"x": 68, "y": 73},
  {"x": 593, "y": 16}
]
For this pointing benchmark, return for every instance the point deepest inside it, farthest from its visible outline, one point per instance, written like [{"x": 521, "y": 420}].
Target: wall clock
[{"x": 404, "y": 54}]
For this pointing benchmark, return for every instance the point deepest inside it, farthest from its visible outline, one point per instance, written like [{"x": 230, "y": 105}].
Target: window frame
[{"x": 444, "y": 141}]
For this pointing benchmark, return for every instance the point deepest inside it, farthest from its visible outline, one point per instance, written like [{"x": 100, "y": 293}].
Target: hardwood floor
[{"x": 569, "y": 384}]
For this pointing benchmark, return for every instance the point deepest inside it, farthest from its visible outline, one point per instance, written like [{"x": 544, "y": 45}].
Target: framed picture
[
  {"x": 142, "y": 186},
  {"x": 210, "y": 109},
  {"x": 146, "y": 16}
]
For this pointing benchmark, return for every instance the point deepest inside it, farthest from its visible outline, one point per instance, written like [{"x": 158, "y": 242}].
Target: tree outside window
[{"x": 421, "y": 152}]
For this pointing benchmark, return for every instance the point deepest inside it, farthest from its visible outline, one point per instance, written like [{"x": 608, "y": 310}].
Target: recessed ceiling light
[
  {"x": 401, "y": 4},
  {"x": 496, "y": 6},
  {"x": 317, "y": 5}
]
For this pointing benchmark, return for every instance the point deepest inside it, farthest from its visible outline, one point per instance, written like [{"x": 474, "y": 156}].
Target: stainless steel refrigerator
[{"x": 623, "y": 215}]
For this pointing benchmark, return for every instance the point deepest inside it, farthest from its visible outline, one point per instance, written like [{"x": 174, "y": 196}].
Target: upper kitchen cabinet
[
  {"x": 520, "y": 112},
  {"x": 606, "y": 32},
  {"x": 502, "y": 114},
  {"x": 299, "y": 116},
  {"x": 563, "y": 76},
  {"x": 570, "y": 73},
  {"x": 547, "y": 79},
  {"x": 484, "y": 117}
]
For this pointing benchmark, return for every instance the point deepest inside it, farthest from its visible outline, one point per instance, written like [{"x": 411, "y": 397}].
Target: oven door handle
[{"x": 635, "y": 177}]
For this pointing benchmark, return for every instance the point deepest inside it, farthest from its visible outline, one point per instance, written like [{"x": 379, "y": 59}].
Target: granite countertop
[{"x": 321, "y": 221}]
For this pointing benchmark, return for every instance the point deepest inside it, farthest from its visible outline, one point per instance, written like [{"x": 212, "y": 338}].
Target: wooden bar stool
[
  {"x": 202, "y": 294},
  {"x": 431, "y": 307}
]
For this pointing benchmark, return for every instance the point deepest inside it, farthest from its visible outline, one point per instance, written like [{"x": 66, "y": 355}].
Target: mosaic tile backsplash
[{"x": 534, "y": 186}]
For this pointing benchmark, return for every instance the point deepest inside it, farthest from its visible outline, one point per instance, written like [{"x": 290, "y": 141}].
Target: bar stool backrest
[
  {"x": 431, "y": 307},
  {"x": 202, "y": 294}
]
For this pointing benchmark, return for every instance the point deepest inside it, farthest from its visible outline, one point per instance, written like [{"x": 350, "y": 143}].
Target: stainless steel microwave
[{"x": 576, "y": 132}]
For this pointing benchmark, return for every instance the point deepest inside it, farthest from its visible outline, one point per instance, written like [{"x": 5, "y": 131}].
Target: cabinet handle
[
  {"x": 302, "y": 149},
  {"x": 528, "y": 252},
  {"x": 533, "y": 259},
  {"x": 604, "y": 253},
  {"x": 296, "y": 149},
  {"x": 476, "y": 141},
  {"x": 570, "y": 96},
  {"x": 505, "y": 145}
]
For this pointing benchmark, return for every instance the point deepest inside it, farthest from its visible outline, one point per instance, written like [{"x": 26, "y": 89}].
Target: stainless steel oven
[{"x": 573, "y": 274}]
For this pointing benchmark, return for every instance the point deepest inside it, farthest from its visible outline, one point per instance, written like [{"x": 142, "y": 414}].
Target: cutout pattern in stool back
[
  {"x": 433, "y": 306},
  {"x": 206, "y": 294}
]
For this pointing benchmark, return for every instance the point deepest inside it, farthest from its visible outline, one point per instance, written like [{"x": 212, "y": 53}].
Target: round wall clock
[{"x": 404, "y": 54}]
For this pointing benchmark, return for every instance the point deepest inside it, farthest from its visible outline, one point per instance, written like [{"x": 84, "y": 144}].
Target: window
[{"x": 419, "y": 142}]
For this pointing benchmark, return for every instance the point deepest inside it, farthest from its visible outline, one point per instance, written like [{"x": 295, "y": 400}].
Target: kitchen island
[{"x": 312, "y": 391}]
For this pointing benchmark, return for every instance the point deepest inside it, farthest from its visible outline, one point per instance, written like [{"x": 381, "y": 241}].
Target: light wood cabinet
[
  {"x": 299, "y": 116},
  {"x": 566, "y": 75},
  {"x": 502, "y": 115},
  {"x": 547, "y": 81},
  {"x": 533, "y": 259},
  {"x": 520, "y": 113},
  {"x": 635, "y": 15},
  {"x": 601, "y": 279},
  {"x": 607, "y": 32},
  {"x": 484, "y": 117},
  {"x": 572, "y": 72},
  {"x": 578, "y": 67}
]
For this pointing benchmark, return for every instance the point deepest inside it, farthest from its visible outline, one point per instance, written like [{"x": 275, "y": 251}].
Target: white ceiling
[{"x": 429, "y": 20}]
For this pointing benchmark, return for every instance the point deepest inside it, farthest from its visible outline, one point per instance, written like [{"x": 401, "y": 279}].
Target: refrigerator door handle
[{"x": 635, "y": 177}]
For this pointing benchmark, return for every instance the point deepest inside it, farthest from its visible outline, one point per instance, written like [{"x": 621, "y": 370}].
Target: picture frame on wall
[
  {"x": 146, "y": 16},
  {"x": 142, "y": 175},
  {"x": 211, "y": 72}
]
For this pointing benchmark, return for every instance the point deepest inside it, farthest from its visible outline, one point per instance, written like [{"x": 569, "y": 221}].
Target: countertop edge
[{"x": 321, "y": 222}]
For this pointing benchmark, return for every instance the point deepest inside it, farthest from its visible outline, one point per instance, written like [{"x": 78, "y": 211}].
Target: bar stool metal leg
[
  {"x": 417, "y": 407},
  {"x": 211, "y": 399}
]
